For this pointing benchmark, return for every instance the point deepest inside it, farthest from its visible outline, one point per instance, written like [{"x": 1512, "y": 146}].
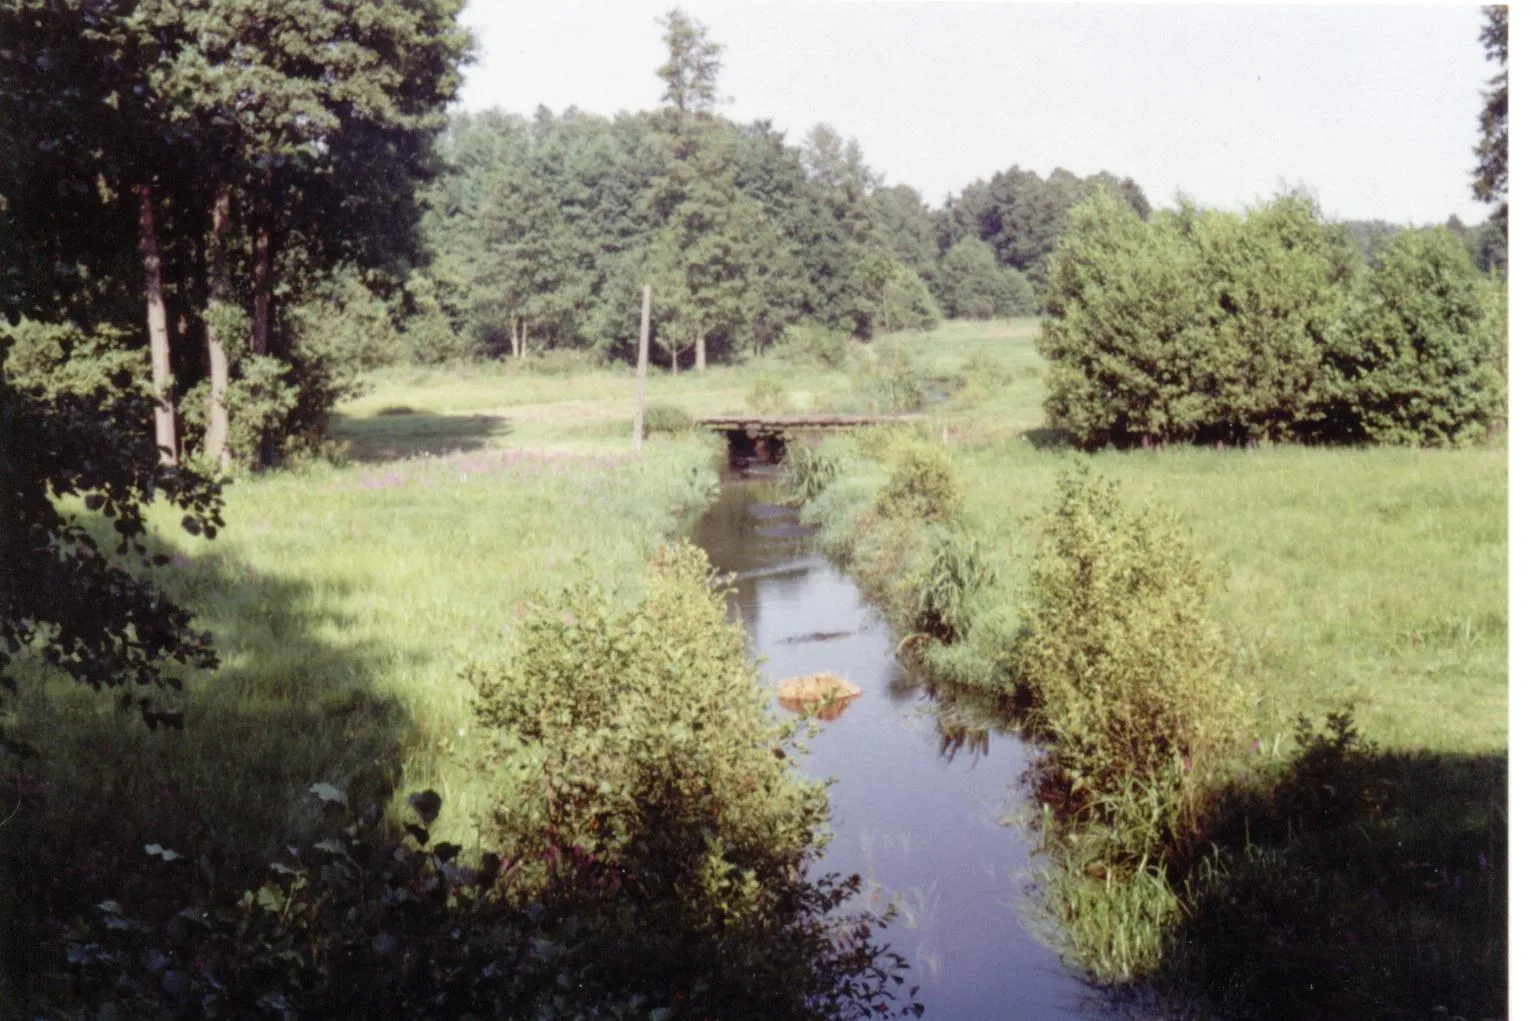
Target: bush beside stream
[{"x": 1239, "y": 835}]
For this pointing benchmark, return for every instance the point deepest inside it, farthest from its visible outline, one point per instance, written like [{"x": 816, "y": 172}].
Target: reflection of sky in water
[{"x": 918, "y": 820}]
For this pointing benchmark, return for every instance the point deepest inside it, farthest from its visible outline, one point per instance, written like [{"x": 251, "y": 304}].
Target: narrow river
[{"x": 918, "y": 808}]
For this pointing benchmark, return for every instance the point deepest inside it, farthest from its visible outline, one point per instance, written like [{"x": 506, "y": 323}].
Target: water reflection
[{"x": 922, "y": 783}]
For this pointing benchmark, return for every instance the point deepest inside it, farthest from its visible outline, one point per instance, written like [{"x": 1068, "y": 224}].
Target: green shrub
[
  {"x": 810, "y": 471},
  {"x": 890, "y": 383},
  {"x": 922, "y": 482},
  {"x": 667, "y": 420},
  {"x": 1422, "y": 359},
  {"x": 951, "y": 569},
  {"x": 645, "y": 781},
  {"x": 365, "y": 923},
  {"x": 981, "y": 374},
  {"x": 261, "y": 400},
  {"x": 814, "y": 346},
  {"x": 907, "y": 303},
  {"x": 561, "y": 361},
  {"x": 62, "y": 358},
  {"x": 767, "y": 395},
  {"x": 1195, "y": 325},
  {"x": 973, "y": 284},
  {"x": 1127, "y": 671}
]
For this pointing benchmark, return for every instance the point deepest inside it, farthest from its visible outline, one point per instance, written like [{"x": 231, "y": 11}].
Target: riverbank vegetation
[{"x": 1344, "y": 610}]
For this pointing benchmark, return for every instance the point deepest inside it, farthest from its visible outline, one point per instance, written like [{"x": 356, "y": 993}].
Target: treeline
[
  {"x": 542, "y": 231},
  {"x": 196, "y": 177},
  {"x": 1207, "y": 326}
]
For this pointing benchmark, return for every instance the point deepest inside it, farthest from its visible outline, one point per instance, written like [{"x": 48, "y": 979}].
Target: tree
[
  {"x": 1195, "y": 325},
  {"x": 1420, "y": 360},
  {"x": 691, "y": 73},
  {"x": 295, "y": 132},
  {"x": 973, "y": 285},
  {"x": 1022, "y": 215},
  {"x": 906, "y": 228},
  {"x": 1492, "y": 180}
]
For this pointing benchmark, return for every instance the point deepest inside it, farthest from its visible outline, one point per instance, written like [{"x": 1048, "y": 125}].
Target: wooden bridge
[{"x": 766, "y": 436}]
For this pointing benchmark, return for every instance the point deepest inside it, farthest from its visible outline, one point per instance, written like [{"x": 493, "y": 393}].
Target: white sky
[{"x": 1375, "y": 109}]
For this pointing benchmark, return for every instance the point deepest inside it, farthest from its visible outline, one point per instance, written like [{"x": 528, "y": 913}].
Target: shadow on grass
[
  {"x": 1045, "y": 438},
  {"x": 290, "y": 707},
  {"x": 1363, "y": 885},
  {"x": 401, "y": 432}
]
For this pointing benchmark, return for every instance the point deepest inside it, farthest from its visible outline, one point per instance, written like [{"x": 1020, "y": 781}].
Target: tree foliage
[
  {"x": 1201, "y": 326},
  {"x": 973, "y": 284},
  {"x": 1021, "y": 215},
  {"x": 1420, "y": 361},
  {"x": 71, "y": 451},
  {"x": 256, "y": 147},
  {"x": 1492, "y": 180}
]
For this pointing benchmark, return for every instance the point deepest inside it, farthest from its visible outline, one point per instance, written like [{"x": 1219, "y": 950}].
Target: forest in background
[{"x": 270, "y": 225}]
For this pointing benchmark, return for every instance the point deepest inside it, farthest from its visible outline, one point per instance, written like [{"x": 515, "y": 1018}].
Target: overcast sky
[{"x": 1374, "y": 109}]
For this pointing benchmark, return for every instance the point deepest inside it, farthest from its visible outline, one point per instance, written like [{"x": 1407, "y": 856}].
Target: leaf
[
  {"x": 427, "y": 805},
  {"x": 329, "y": 793},
  {"x": 331, "y": 845},
  {"x": 420, "y": 833},
  {"x": 94, "y": 501}
]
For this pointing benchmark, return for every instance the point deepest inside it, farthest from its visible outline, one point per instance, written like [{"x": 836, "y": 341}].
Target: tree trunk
[
  {"x": 159, "y": 329},
  {"x": 525, "y": 326},
  {"x": 260, "y": 306},
  {"x": 701, "y": 352},
  {"x": 216, "y": 444},
  {"x": 674, "y": 346}
]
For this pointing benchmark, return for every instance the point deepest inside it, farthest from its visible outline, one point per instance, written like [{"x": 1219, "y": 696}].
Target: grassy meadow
[
  {"x": 345, "y": 603},
  {"x": 1368, "y": 858}
]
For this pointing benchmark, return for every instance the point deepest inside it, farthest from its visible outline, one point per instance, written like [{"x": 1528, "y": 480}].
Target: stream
[{"x": 917, "y": 806}]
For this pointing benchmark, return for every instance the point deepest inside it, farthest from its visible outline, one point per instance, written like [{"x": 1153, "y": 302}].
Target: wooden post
[{"x": 643, "y": 367}]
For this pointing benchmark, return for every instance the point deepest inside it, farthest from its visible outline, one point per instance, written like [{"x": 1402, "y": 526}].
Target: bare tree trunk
[
  {"x": 701, "y": 352},
  {"x": 159, "y": 329},
  {"x": 216, "y": 443},
  {"x": 674, "y": 346},
  {"x": 260, "y": 307},
  {"x": 525, "y": 326}
]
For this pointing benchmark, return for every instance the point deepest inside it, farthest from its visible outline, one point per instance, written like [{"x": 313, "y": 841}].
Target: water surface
[{"x": 918, "y": 806}]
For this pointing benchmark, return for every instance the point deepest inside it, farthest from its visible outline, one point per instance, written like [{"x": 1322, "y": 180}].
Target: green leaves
[
  {"x": 645, "y": 787},
  {"x": 1205, "y": 326}
]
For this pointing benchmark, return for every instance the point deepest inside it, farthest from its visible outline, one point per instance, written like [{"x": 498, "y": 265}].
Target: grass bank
[
  {"x": 1332, "y": 878},
  {"x": 344, "y": 604}
]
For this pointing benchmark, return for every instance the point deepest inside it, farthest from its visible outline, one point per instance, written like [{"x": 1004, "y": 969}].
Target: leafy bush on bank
[
  {"x": 1129, "y": 684},
  {"x": 646, "y": 786}
]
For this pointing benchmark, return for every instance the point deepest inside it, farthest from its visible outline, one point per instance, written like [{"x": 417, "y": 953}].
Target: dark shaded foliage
[{"x": 87, "y": 610}]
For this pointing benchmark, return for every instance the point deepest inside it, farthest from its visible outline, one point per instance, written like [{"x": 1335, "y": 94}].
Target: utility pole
[{"x": 643, "y": 368}]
